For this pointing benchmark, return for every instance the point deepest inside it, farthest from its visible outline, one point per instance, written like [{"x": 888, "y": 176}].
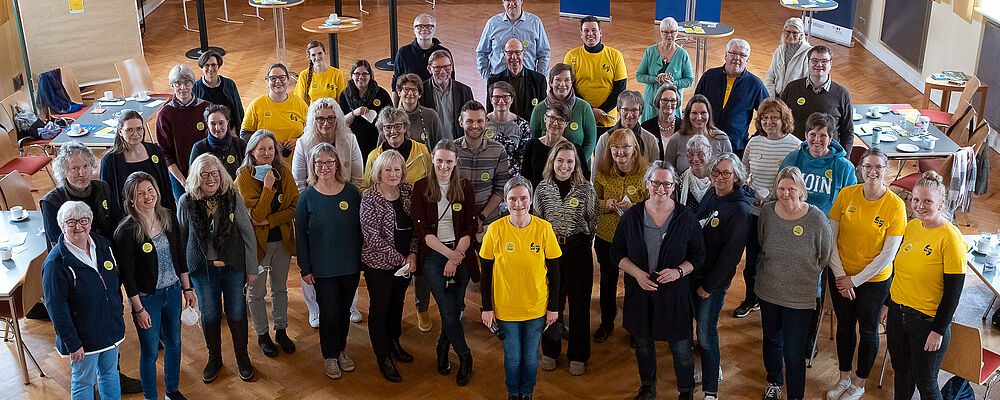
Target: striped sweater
[
  {"x": 763, "y": 158},
  {"x": 576, "y": 213},
  {"x": 616, "y": 187}
]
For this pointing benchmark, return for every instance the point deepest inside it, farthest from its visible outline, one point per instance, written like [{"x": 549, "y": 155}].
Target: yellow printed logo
[
  {"x": 423, "y": 136},
  {"x": 714, "y": 222},
  {"x": 232, "y": 217},
  {"x": 631, "y": 190},
  {"x": 801, "y": 101},
  {"x": 574, "y": 202},
  {"x": 490, "y": 134},
  {"x": 346, "y": 164},
  {"x": 456, "y": 207},
  {"x": 829, "y": 173},
  {"x": 147, "y": 247},
  {"x": 105, "y": 204},
  {"x": 852, "y": 209},
  {"x": 376, "y": 102},
  {"x": 200, "y": 126},
  {"x": 908, "y": 247},
  {"x": 230, "y": 159},
  {"x": 797, "y": 230},
  {"x": 343, "y": 205},
  {"x": 279, "y": 198},
  {"x": 509, "y": 247},
  {"x": 485, "y": 176},
  {"x": 108, "y": 265},
  {"x": 267, "y": 113},
  {"x": 534, "y": 102},
  {"x": 155, "y": 158},
  {"x": 574, "y": 126},
  {"x": 572, "y": 60}
]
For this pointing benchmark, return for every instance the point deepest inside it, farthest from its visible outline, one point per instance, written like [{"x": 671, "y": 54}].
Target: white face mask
[{"x": 190, "y": 316}]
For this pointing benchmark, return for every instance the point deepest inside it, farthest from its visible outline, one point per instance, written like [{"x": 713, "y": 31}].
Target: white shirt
[
  {"x": 89, "y": 260},
  {"x": 446, "y": 228}
]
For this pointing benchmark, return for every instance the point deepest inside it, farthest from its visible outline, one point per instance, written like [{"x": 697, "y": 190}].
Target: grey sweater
[{"x": 793, "y": 255}]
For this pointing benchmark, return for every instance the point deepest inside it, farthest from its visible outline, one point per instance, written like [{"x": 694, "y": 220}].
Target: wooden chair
[
  {"x": 19, "y": 101},
  {"x": 15, "y": 192},
  {"x": 135, "y": 76},
  {"x": 946, "y": 118},
  {"x": 10, "y": 161},
  {"x": 72, "y": 85},
  {"x": 967, "y": 358}
]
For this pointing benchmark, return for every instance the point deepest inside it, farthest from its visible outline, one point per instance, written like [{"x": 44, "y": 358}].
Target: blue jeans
[
  {"x": 785, "y": 339},
  {"x": 176, "y": 187},
  {"x": 213, "y": 285},
  {"x": 449, "y": 300},
  {"x": 520, "y": 354},
  {"x": 645, "y": 357},
  {"x": 906, "y": 333},
  {"x": 706, "y": 313},
  {"x": 104, "y": 366},
  {"x": 164, "y": 308}
]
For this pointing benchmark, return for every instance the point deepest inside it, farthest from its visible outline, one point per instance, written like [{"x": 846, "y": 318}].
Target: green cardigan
[
  {"x": 649, "y": 67},
  {"x": 581, "y": 130}
]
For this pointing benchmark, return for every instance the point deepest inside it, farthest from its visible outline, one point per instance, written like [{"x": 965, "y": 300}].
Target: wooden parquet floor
[{"x": 611, "y": 370}]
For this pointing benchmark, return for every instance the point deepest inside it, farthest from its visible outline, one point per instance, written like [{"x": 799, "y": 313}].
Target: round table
[
  {"x": 278, "y": 9},
  {"x": 808, "y": 7},
  {"x": 347, "y": 24},
  {"x": 946, "y": 88},
  {"x": 701, "y": 31}
]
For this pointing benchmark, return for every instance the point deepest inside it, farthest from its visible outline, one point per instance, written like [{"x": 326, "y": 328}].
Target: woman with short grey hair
[
  {"x": 74, "y": 168},
  {"x": 179, "y": 125},
  {"x": 789, "y": 60},
  {"x": 664, "y": 63},
  {"x": 695, "y": 181},
  {"x": 630, "y": 106}
]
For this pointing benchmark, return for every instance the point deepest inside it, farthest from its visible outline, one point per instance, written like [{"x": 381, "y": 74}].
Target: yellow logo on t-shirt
[
  {"x": 232, "y": 217},
  {"x": 908, "y": 247},
  {"x": 376, "y": 102},
  {"x": 155, "y": 158},
  {"x": 797, "y": 230},
  {"x": 574, "y": 202},
  {"x": 200, "y": 125},
  {"x": 714, "y": 222},
  {"x": 534, "y": 102},
  {"x": 829, "y": 173},
  {"x": 147, "y": 247},
  {"x": 346, "y": 164},
  {"x": 801, "y": 101},
  {"x": 108, "y": 265},
  {"x": 343, "y": 205},
  {"x": 105, "y": 204},
  {"x": 509, "y": 247},
  {"x": 928, "y": 250},
  {"x": 423, "y": 136},
  {"x": 631, "y": 190},
  {"x": 267, "y": 113},
  {"x": 279, "y": 197},
  {"x": 852, "y": 209},
  {"x": 574, "y": 126},
  {"x": 230, "y": 159},
  {"x": 490, "y": 134},
  {"x": 456, "y": 207},
  {"x": 485, "y": 176},
  {"x": 572, "y": 60}
]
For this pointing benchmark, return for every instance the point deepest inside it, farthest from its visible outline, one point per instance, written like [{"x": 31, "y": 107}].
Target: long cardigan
[
  {"x": 464, "y": 218},
  {"x": 378, "y": 221},
  {"x": 670, "y": 304},
  {"x": 138, "y": 262},
  {"x": 649, "y": 68},
  {"x": 258, "y": 201},
  {"x": 113, "y": 172}
]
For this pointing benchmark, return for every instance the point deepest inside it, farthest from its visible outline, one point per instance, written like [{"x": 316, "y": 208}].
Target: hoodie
[
  {"x": 726, "y": 228},
  {"x": 824, "y": 176}
]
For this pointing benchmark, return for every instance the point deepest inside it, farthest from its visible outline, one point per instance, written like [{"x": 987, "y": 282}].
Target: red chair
[
  {"x": 10, "y": 161},
  {"x": 940, "y": 117},
  {"x": 967, "y": 358}
]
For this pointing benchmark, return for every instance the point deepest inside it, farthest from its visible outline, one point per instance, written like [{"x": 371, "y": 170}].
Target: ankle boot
[
  {"x": 239, "y": 331},
  {"x": 389, "y": 369},
  {"x": 464, "y": 369},
  {"x": 443, "y": 366},
  {"x": 266, "y": 345},
  {"x": 399, "y": 353},
  {"x": 213, "y": 340},
  {"x": 282, "y": 338}
]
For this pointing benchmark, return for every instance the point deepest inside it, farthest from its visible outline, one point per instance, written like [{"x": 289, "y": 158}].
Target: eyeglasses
[
  {"x": 668, "y": 101},
  {"x": 277, "y": 78},
  {"x": 209, "y": 174},
  {"x": 630, "y": 110},
  {"x": 394, "y": 127},
  {"x": 210, "y": 65},
  {"x": 326, "y": 120},
  {"x": 738, "y": 54},
  {"x": 724, "y": 174},
  {"x": 509, "y": 53},
  {"x": 869, "y": 168},
  {"x": 133, "y": 130},
  {"x": 410, "y": 89},
  {"x": 423, "y": 27},
  {"x": 658, "y": 184},
  {"x": 554, "y": 119},
  {"x": 819, "y": 61},
  {"x": 184, "y": 83},
  {"x": 671, "y": 32},
  {"x": 441, "y": 67},
  {"x": 325, "y": 164},
  {"x": 502, "y": 97},
  {"x": 72, "y": 223},
  {"x": 361, "y": 74},
  {"x": 793, "y": 33}
]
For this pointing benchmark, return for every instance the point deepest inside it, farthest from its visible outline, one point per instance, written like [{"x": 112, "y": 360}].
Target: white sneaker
[
  {"x": 720, "y": 374},
  {"x": 355, "y": 316},
  {"x": 710, "y": 397},
  {"x": 697, "y": 375},
  {"x": 839, "y": 389},
  {"x": 853, "y": 393},
  {"x": 314, "y": 320}
]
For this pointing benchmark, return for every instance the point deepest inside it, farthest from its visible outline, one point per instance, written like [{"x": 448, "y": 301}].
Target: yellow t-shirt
[
  {"x": 329, "y": 83},
  {"x": 520, "y": 290},
  {"x": 285, "y": 119},
  {"x": 923, "y": 259},
  {"x": 864, "y": 225},
  {"x": 729, "y": 89},
  {"x": 595, "y": 74}
]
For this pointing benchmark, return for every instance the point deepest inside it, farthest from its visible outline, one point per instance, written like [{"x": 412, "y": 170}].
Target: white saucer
[
  {"x": 888, "y": 138},
  {"x": 83, "y": 132},
  {"x": 858, "y": 117},
  {"x": 24, "y": 217},
  {"x": 883, "y": 109},
  {"x": 907, "y": 148}
]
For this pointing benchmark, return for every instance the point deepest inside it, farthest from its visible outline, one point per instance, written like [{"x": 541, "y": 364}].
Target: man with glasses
[
  {"x": 412, "y": 58},
  {"x": 444, "y": 94},
  {"x": 734, "y": 94},
  {"x": 529, "y": 86},
  {"x": 600, "y": 73},
  {"x": 818, "y": 93},
  {"x": 425, "y": 125},
  {"x": 513, "y": 23}
]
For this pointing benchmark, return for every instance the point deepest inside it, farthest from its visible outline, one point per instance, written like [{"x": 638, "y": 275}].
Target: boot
[
  {"x": 464, "y": 369},
  {"x": 239, "y": 331},
  {"x": 389, "y": 369},
  {"x": 282, "y": 338},
  {"x": 400, "y": 354},
  {"x": 266, "y": 345},
  {"x": 213, "y": 340},
  {"x": 443, "y": 366}
]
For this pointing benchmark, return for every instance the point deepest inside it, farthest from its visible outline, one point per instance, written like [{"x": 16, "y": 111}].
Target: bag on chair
[{"x": 957, "y": 389}]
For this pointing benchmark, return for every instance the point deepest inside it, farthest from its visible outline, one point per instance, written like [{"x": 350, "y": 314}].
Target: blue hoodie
[{"x": 824, "y": 176}]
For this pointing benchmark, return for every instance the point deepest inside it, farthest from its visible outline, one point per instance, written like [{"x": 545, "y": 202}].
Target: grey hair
[
  {"x": 633, "y": 96},
  {"x": 660, "y": 165},
  {"x": 425, "y": 15},
  {"x": 389, "y": 115},
  {"x": 796, "y": 22},
  {"x": 738, "y": 168},
  {"x": 180, "y": 73},
  {"x": 795, "y": 174},
  {"x": 73, "y": 210},
  {"x": 66, "y": 152},
  {"x": 699, "y": 142},
  {"x": 738, "y": 42},
  {"x": 668, "y": 22},
  {"x": 516, "y": 181}
]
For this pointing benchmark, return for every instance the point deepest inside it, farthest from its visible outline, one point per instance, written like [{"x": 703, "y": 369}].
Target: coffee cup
[
  {"x": 930, "y": 142},
  {"x": 17, "y": 212},
  {"x": 983, "y": 244},
  {"x": 6, "y": 253},
  {"x": 143, "y": 96},
  {"x": 991, "y": 258},
  {"x": 108, "y": 94},
  {"x": 876, "y": 135},
  {"x": 75, "y": 129}
]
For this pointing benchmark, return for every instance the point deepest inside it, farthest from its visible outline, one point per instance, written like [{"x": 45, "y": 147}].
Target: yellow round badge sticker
[
  {"x": 908, "y": 247},
  {"x": 267, "y": 113},
  {"x": 490, "y": 134},
  {"x": 509, "y": 247},
  {"x": 797, "y": 230},
  {"x": 829, "y": 173},
  {"x": 347, "y": 164},
  {"x": 852, "y": 209},
  {"x": 534, "y": 102},
  {"x": 279, "y": 198},
  {"x": 230, "y": 159},
  {"x": 574, "y": 202},
  {"x": 155, "y": 158},
  {"x": 376, "y": 102},
  {"x": 147, "y": 247},
  {"x": 456, "y": 207},
  {"x": 105, "y": 204},
  {"x": 525, "y": 43},
  {"x": 631, "y": 190},
  {"x": 343, "y": 205},
  {"x": 108, "y": 265},
  {"x": 423, "y": 136},
  {"x": 714, "y": 222},
  {"x": 485, "y": 176},
  {"x": 232, "y": 217},
  {"x": 200, "y": 126},
  {"x": 801, "y": 101},
  {"x": 574, "y": 126}
]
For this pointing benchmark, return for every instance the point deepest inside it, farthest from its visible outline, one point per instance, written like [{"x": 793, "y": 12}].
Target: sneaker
[
  {"x": 176, "y": 395},
  {"x": 577, "y": 368},
  {"x": 720, "y": 374},
  {"x": 697, "y": 375},
  {"x": 332, "y": 369},
  {"x": 853, "y": 393},
  {"x": 773, "y": 392},
  {"x": 314, "y": 320},
  {"x": 355, "y": 316},
  {"x": 744, "y": 309},
  {"x": 345, "y": 361},
  {"x": 547, "y": 363},
  {"x": 711, "y": 397},
  {"x": 424, "y": 322},
  {"x": 838, "y": 389}
]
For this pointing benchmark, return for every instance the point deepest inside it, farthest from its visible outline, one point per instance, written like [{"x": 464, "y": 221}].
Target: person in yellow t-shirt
[
  {"x": 868, "y": 222},
  {"x": 321, "y": 79},
  {"x": 929, "y": 275},
  {"x": 600, "y": 73},
  {"x": 520, "y": 284},
  {"x": 278, "y": 111}
]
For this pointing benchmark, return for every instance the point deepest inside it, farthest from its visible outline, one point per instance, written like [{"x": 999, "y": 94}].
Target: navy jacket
[
  {"x": 412, "y": 59},
  {"x": 85, "y": 305},
  {"x": 664, "y": 314},
  {"x": 232, "y": 101},
  {"x": 748, "y": 91},
  {"x": 114, "y": 173},
  {"x": 725, "y": 234},
  {"x": 53, "y": 94},
  {"x": 460, "y": 94}
]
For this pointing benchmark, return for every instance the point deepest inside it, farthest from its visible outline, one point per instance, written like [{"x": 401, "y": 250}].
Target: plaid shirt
[{"x": 487, "y": 167}]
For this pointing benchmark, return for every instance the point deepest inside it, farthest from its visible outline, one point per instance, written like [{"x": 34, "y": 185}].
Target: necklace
[{"x": 670, "y": 127}]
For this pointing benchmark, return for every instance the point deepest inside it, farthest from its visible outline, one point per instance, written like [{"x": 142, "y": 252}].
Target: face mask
[{"x": 190, "y": 316}]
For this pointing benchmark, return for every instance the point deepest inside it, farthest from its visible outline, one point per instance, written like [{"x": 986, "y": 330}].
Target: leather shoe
[
  {"x": 389, "y": 369},
  {"x": 464, "y": 369},
  {"x": 602, "y": 334},
  {"x": 443, "y": 366},
  {"x": 286, "y": 344},
  {"x": 400, "y": 354},
  {"x": 267, "y": 346}
]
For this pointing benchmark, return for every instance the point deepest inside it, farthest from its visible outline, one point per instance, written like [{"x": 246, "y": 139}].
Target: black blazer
[
  {"x": 137, "y": 261},
  {"x": 533, "y": 91},
  {"x": 114, "y": 173},
  {"x": 460, "y": 94}
]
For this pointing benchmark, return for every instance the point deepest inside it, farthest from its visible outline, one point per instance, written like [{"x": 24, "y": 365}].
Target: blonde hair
[
  {"x": 620, "y": 137},
  {"x": 328, "y": 149},
  {"x": 385, "y": 159},
  {"x": 206, "y": 161},
  {"x": 935, "y": 182},
  {"x": 549, "y": 175},
  {"x": 797, "y": 178}
]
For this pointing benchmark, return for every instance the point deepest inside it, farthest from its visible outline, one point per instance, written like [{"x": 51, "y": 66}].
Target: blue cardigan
[
  {"x": 748, "y": 91},
  {"x": 113, "y": 172},
  {"x": 649, "y": 68},
  {"x": 85, "y": 305}
]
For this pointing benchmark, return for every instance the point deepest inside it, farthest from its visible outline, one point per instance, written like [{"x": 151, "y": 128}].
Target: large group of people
[{"x": 428, "y": 186}]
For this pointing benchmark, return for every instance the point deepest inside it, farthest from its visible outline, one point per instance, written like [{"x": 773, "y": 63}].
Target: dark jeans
[
  {"x": 385, "y": 308},
  {"x": 706, "y": 313},
  {"x": 905, "y": 335},
  {"x": 215, "y": 285},
  {"x": 861, "y": 314},
  {"x": 164, "y": 308},
  {"x": 449, "y": 299},
  {"x": 609, "y": 283},
  {"x": 520, "y": 354},
  {"x": 785, "y": 339},
  {"x": 334, "y": 297},
  {"x": 576, "y": 285},
  {"x": 645, "y": 356},
  {"x": 750, "y": 265},
  {"x": 176, "y": 188}
]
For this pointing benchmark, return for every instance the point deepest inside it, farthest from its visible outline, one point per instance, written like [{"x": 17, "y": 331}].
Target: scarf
[
  {"x": 692, "y": 184},
  {"x": 354, "y": 99},
  {"x": 790, "y": 50},
  {"x": 219, "y": 145},
  {"x": 202, "y": 225}
]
